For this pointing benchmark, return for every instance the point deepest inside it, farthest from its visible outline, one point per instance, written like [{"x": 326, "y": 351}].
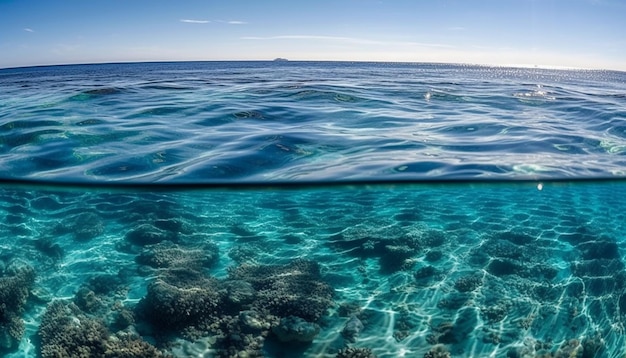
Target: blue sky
[{"x": 563, "y": 33}]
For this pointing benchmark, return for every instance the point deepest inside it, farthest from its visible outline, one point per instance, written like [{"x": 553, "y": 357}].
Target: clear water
[
  {"x": 280, "y": 210},
  {"x": 486, "y": 269},
  {"x": 267, "y": 121}
]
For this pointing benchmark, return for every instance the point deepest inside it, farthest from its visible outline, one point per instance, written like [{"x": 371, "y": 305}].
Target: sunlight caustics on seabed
[{"x": 517, "y": 269}]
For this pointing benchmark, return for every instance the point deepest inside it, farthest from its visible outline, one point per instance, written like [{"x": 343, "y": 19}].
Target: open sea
[{"x": 312, "y": 209}]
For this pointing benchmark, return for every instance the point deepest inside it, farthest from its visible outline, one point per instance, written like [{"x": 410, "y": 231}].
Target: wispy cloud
[
  {"x": 351, "y": 40},
  {"x": 190, "y": 21},
  {"x": 28, "y": 29},
  {"x": 231, "y": 22}
]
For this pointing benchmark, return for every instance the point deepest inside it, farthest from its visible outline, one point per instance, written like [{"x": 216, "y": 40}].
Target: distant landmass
[{"x": 280, "y": 59}]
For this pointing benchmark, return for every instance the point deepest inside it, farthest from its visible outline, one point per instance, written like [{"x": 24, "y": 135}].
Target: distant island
[{"x": 280, "y": 59}]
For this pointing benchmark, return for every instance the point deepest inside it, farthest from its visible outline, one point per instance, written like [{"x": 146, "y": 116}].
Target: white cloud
[
  {"x": 189, "y": 21},
  {"x": 28, "y": 29},
  {"x": 232, "y": 22}
]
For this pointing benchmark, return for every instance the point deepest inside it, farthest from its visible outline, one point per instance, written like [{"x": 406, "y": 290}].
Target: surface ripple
[{"x": 309, "y": 121}]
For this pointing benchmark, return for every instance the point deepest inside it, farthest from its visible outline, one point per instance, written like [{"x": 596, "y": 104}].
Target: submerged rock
[
  {"x": 48, "y": 247},
  {"x": 180, "y": 299},
  {"x": 14, "y": 292},
  {"x": 66, "y": 331},
  {"x": 296, "y": 329},
  {"x": 295, "y": 289},
  {"x": 438, "y": 351},
  {"x": 167, "y": 254},
  {"x": 237, "y": 293},
  {"x": 146, "y": 234},
  {"x": 84, "y": 226},
  {"x": 253, "y": 321},
  {"x": 353, "y": 352},
  {"x": 468, "y": 283},
  {"x": 352, "y": 328}
]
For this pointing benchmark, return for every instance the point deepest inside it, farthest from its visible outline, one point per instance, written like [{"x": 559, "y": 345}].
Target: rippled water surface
[{"x": 269, "y": 121}]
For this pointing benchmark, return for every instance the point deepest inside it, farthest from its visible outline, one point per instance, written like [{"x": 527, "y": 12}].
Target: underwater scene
[{"x": 432, "y": 269}]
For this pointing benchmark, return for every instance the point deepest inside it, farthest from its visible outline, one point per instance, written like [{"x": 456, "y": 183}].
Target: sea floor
[{"x": 522, "y": 269}]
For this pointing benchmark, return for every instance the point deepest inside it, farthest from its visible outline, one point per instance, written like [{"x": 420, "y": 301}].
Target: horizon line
[{"x": 525, "y": 66}]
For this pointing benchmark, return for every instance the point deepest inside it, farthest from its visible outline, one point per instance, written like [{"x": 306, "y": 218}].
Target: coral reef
[
  {"x": 404, "y": 323},
  {"x": 245, "y": 253},
  {"x": 130, "y": 346},
  {"x": 180, "y": 298},
  {"x": 433, "y": 255},
  {"x": 83, "y": 226},
  {"x": 496, "y": 312},
  {"x": 147, "y": 234},
  {"x": 392, "y": 245},
  {"x": 172, "y": 225},
  {"x": 295, "y": 289},
  {"x": 236, "y": 294},
  {"x": 425, "y": 275},
  {"x": 570, "y": 349},
  {"x": 448, "y": 332},
  {"x": 240, "y": 311},
  {"x": 352, "y": 352},
  {"x": 105, "y": 284},
  {"x": 295, "y": 329},
  {"x": 468, "y": 283},
  {"x": 438, "y": 351},
  {"x": 348, "y": 309},
  {"x": 588, "y": 347},
  {"x": 49, "y": 247},
  {"x": 65, "y": 331},
  {"x": 15, "y": 286},
  {"x": 514, "y": 252},
  {"x": 87, "y": 300},
  {"x": 167, "y": 254},
  {"x": 253, "y": 321},
  {"x": 351, "y": 329}
]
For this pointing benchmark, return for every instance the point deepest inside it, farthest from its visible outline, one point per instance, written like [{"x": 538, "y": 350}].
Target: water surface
[
  {"x": 268, "y": 121},
  {"x": 311, "y": 209}
]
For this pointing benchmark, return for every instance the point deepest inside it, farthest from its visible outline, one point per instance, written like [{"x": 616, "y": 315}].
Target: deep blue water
[
  {"x": 262, "y": 121},
  {"x": 261, "y": 209}
]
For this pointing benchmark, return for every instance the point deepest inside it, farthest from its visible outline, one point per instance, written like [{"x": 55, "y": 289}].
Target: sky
[{"x": 550, "y": 33}]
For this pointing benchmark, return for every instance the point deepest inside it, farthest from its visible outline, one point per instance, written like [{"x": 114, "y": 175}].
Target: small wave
[
  {"x": 95, "y": 93},
  {"x": 534, "y": 96},
  {"x": 27, "y": 124},
  {"x": 336, "y": 121}
]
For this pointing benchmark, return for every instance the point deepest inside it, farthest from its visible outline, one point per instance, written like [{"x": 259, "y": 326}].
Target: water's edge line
[{"x": 301, "y": 184}]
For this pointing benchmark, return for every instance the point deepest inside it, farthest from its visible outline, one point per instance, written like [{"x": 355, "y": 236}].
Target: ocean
[{"x": 312, "y": 209}]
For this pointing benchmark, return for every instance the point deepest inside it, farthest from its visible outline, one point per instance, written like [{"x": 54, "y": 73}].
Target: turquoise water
[
  {"x": 311, "y": 209},
  {"x": 480, "y": 269}
]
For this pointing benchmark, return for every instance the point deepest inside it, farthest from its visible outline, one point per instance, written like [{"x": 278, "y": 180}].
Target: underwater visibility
[
  {"x": 312, "y": 209},
  {"x": 508, "y": 269}
]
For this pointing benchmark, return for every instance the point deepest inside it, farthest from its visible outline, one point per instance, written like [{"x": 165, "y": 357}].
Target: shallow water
[
  {"x": 311, "y": 209},
  {"x": 261, "y": 121},
  {"x": 482, "y": 269}
]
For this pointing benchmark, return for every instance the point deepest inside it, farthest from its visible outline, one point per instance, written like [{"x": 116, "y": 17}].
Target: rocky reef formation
[
  {"x": 253, "y": 303},
  {"x": 15, "y": 284}
]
